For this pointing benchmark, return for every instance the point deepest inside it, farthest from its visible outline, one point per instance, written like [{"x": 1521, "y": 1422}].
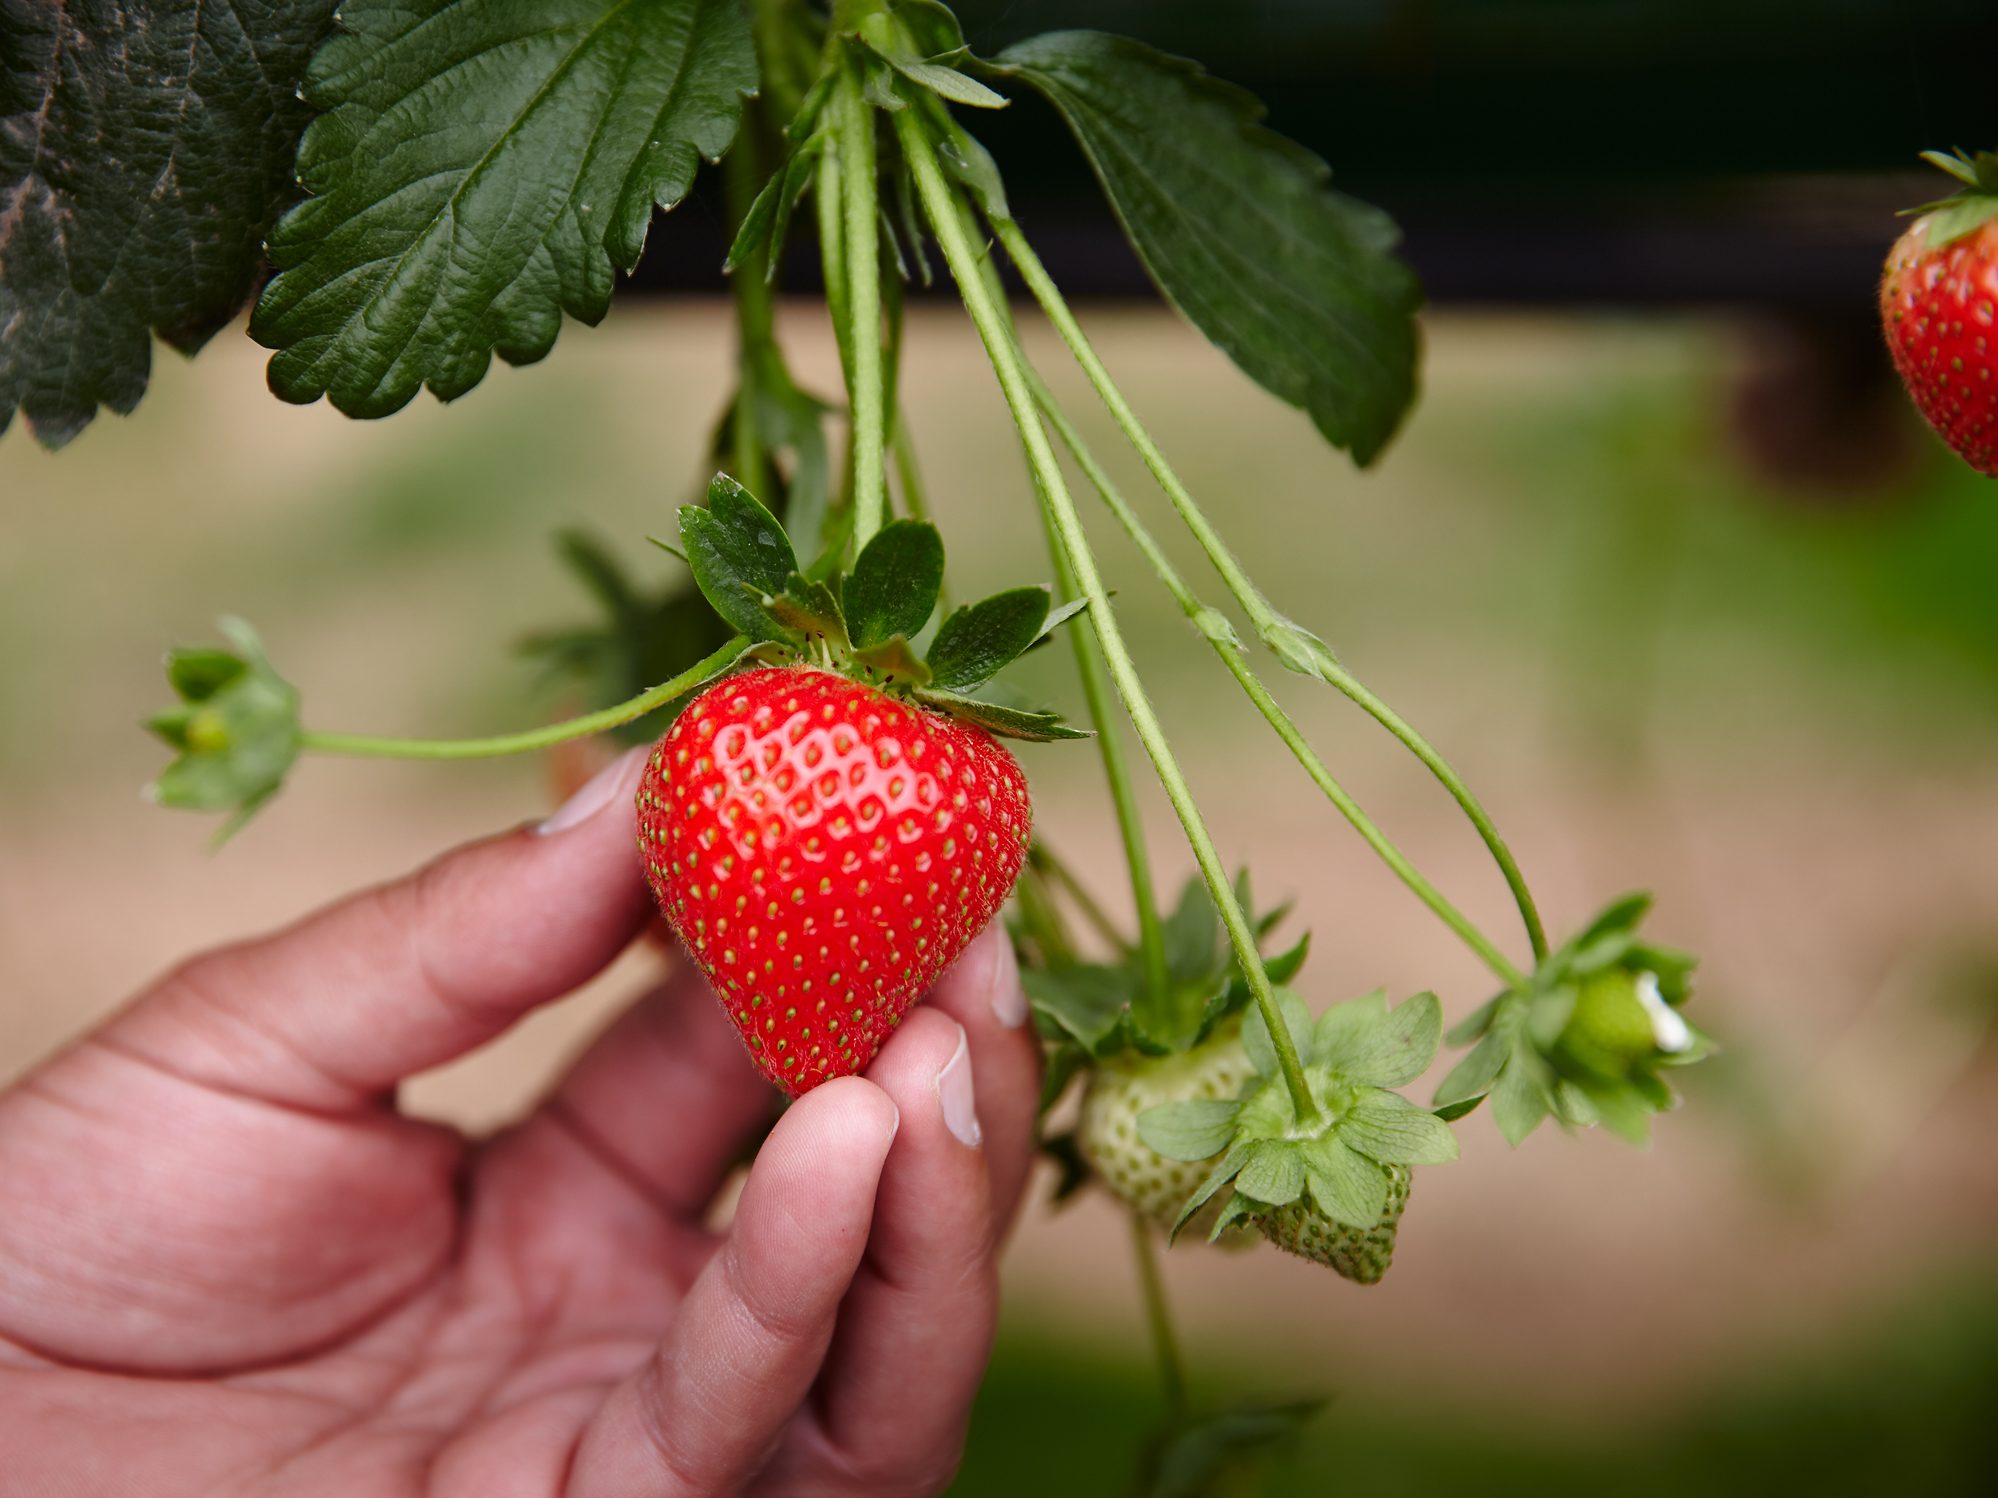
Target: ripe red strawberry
[
  {"x": 825, "y": 852},
  {"x": 1939, "y": 305}
]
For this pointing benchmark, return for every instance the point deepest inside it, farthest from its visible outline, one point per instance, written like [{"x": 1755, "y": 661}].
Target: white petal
[{"x": 1671, "y": 1032}]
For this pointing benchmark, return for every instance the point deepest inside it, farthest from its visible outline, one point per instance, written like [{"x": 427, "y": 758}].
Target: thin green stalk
[
  {"x": 1265, "y": 618},
  {"x": 909, "y": 480},
  {"x": 862, "y": 229},
  {"x": 1123, "y": 798},
  {"x": 646, "y": 701},
  {"x": 1158, "y": 1315},
  {"x": 1041, "y": 921},
  {"x": 940, "y": 206},
  {"x": 826, "y": 196},
  {"x": 1229, "y": 648},
  {"x": 1042, "y": 857},
  {"x": 1109, "y": 743},
  {"x": 753, "y": 317}
]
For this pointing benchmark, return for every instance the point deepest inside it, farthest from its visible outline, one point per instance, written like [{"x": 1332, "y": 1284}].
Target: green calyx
[
  {"x": 235, "y": 729},
  {"x": 1096, "y": 1011},
  {"x": 1343, "y": 1163},
  {"x": 1967, "y": 210},
  {"x": 863, "y": 622},
  {"x": 1586, "y": 1040}
]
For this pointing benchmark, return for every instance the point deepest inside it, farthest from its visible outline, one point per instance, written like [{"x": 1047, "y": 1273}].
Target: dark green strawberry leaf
[
  {"x": 1392, "y": 1130},
  {"x": 739, "y": 555},
  {"x": 893, "y": 587},
  {"x": 1298, "y": 284},
  {"x": 980, "y": 639},
  {"x": 1347, "y": 1186},
  {"x": 1007, "y": 722},
  {"x": 485, "y": 167},
  {"x": 145, "y": 150},
  {"x": 235, "y": 730},
  {"x": 1196, "y": 1457},
  {"x": 1194, "y": 1129}
]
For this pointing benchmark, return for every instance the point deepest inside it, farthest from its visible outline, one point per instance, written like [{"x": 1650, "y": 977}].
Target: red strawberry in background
[
  {"x": 1939, "y": 306},
  {"x": 825, "y": 852}
]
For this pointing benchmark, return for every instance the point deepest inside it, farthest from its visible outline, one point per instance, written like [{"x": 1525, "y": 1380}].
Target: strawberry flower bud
[
  {"x": 1585, "y": 1040},
  {"x": 235, "y": 728}
]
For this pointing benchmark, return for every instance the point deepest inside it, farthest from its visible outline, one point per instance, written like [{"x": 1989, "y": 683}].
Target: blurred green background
[{"x": 1669, "y": 654}]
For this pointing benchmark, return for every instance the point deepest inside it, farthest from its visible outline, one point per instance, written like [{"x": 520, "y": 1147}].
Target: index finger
[{"x": 333, "y": 1012}]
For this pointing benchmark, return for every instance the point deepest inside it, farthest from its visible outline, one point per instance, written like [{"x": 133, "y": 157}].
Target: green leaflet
[
  {"x": 1193, "y": 1129},
  {"x": 1296, "y": 283},
  {"x": 739, "y": 555},
  {"x": 484, "y": 167},
  {"x": 979, "y": 639},
  {"x": 893, "y": 587},
  {"x": 144, "y": 152}
]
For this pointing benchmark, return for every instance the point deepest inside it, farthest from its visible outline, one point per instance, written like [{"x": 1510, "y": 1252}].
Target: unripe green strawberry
[
  {"x": 1619, "y": 1020},
  {"x": 1362, "y": 1257},
  {"x": 1122, "y": 1088},
  {"x": 825, "y": 852}
]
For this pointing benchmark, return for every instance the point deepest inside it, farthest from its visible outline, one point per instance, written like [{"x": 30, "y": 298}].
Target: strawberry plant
[{"x": 829, "y": 813}]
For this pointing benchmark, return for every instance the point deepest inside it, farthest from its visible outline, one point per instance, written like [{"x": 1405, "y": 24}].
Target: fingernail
[
  {"x": 596, "y": 793},
  {"x": 960, "y": 1113},
  {"x": 1009, "y": 999}
]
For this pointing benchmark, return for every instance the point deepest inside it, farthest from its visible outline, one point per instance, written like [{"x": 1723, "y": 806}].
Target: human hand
[{"x": 228, "y": 1265}]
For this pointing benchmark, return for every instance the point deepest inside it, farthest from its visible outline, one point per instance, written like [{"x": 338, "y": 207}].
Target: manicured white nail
[
  {"x": 596, "y": 793},
  {"x": 960, "y": 1112},
  {"x": 1009, "y": 999}
]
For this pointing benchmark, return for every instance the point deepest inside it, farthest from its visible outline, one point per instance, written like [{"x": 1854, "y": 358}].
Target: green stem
[
  {"x": 862, "y": 230},
  {"x": 1269, "y": 624},
  {"x": 1041, "y": 921},
  {"x": 1158, "y": 1315},
  {"x": 1219, "y": 635},
  {"x": 1042, "y": 857},
  {"x": 753, "y": 316},
  {"x": 1157, "y": 998},
  {"x": 989, "y": 317},
  {"x": 1096, "y": 695},
  {"x": 826, "y": 194},
  {"x": 909, "y": 479},
  {"x": 651, "y": 699}
]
